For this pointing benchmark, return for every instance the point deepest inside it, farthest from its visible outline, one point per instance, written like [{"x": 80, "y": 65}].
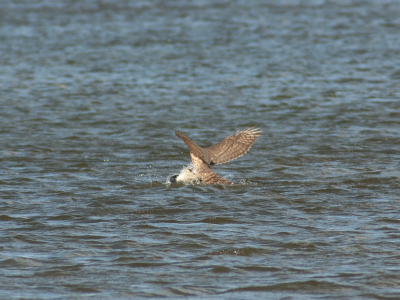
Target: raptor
[{"x": 229, "y": 148}]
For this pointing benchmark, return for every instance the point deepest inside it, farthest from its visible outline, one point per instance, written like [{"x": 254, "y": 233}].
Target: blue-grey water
[{"x": 91, "y": 93}]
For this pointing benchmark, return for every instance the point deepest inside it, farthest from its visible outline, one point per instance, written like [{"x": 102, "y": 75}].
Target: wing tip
[
  {"x": 181, "y": 135},
  {"x": 251, "y": 130}
]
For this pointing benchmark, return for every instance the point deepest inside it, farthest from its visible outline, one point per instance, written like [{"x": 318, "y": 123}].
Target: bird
[{"x": 231, "y": 147}]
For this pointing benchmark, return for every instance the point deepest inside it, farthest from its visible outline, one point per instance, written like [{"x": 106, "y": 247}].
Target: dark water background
[{"x": 91, "y": 93}]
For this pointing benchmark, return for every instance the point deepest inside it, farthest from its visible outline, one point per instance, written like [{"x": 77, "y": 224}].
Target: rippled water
[{"x": 91, "y": 94}]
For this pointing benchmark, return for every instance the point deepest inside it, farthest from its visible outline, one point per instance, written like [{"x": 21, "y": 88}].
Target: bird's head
[{"x": 173, "y": 178}]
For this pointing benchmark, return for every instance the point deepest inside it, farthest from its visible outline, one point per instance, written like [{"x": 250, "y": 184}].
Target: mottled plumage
[{"x": 229, "y": 148}]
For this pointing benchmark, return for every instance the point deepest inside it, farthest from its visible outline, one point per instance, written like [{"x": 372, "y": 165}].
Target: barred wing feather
[{"x": 233, "y": 146}]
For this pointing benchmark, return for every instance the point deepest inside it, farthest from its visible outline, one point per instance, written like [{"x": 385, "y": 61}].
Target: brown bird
[{"x": 229, "y": 148}]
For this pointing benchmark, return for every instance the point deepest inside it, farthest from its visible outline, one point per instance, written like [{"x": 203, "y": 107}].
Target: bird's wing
[
  {"x": 195, "y": 149},
  {"x": 233, "y": 146},
  {"x": 209, "y": 177}
]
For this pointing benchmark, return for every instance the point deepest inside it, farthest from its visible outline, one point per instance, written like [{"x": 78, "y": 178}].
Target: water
[{"x": 91, "y": 95}]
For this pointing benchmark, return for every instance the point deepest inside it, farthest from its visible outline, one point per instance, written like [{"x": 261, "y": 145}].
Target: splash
[{"x": 186, "y": 176}]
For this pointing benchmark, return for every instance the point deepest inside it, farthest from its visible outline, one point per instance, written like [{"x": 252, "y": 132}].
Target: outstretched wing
[
  {"x": 233, "y": 146},
  {"x": 195, "y": 149}
]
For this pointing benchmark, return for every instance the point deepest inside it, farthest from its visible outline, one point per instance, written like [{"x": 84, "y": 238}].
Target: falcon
[{"x": 226, "y": 150}]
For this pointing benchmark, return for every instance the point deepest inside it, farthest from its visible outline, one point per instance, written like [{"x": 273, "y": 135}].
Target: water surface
[{"x": 91, "y": 95}]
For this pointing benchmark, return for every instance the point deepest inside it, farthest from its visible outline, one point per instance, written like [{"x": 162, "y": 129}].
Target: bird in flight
[{"x": 229, "y": 148}]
